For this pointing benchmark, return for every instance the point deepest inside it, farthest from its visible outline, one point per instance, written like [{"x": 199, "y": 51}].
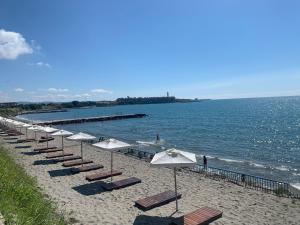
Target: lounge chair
[
  {"x": 103, "y": 175},
  {"x": 51, "y": 150},
  {"x": 42, "y": 140},
  {"x": 202, "y": 216},
  {"x": 58, "y": 155},
  {"x": 121, "y": 183},
  {"x": 157, "y": 200},
  {"x": 25, "y": 140},
  {"x": 67, "y": 158},
  {"x": 77, "y": 163},
  {"x": 86, "y": 168}
]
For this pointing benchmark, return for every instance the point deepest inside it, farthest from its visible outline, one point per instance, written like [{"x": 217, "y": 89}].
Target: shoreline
[
  {"x": 228, "y": 162},
  {"x": 237, "y": 203}
]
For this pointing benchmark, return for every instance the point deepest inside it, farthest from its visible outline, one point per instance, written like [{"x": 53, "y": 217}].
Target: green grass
[{"x": 21, "y": 202}]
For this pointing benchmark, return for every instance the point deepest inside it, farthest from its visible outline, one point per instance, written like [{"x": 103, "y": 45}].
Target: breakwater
[{"x": 92, "y": 119}]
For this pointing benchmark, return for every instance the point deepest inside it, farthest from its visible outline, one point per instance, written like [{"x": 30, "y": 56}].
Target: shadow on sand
[
  {"x": 90, "y": 189},
  {"x": 60, "y": 172},
  {"x": 150, "y": 220},
  {"x": 44, "y": 162},
  {"x": 30, "y": 153},
  {"x": 23, "y": 146}
]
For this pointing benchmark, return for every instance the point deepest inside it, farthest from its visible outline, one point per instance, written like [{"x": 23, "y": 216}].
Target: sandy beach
[{"x": 86, "y": 203}]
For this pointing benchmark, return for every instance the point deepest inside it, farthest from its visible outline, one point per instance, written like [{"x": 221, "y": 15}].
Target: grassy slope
[{"x": 20, "y": 200}]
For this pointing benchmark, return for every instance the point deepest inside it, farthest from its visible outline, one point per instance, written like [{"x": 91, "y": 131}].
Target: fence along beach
[{"x": 89, "y": 204}]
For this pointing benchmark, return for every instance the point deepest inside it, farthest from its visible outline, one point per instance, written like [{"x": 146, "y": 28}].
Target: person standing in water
[
  {"x": 157, "y": 138},
  {"x": 205, "y": 162}
]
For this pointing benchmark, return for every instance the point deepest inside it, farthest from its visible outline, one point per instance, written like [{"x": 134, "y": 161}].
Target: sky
[{"x": 64, "y": 50}]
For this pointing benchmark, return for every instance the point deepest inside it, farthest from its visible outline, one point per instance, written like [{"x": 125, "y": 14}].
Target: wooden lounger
[
  {"x": 202, "y": 216},
  {"x": 25, "y": 140},
  {"x": 157, "y": 200},
  {"x": 12, "y": 134},
  {"x": 76, "y": 163},
  {"x": 51, "y": 150},
  {"x": 67, "y": 158},
  {"x": 45, "y": 140},
  {"x": 103, "y": 175},
  {"x": 86, "y": 168},
  {"x": 121, "y": 183},
  {"x": 42, "y": 149},
  {"x": 58, "y": 155}
]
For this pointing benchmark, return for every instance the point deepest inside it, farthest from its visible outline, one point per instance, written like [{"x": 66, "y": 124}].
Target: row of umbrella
[{"x": 172, "y": 158}]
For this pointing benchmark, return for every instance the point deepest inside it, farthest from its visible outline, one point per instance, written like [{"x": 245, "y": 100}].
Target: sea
[{"x": 257, "y": 136}]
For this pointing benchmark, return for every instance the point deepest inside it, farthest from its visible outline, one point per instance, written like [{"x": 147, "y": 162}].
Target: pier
[{"x": 92, "y": 119}]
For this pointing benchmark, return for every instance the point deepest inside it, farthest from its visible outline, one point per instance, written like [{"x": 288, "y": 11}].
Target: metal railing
[{"x": 258, "y": 183}]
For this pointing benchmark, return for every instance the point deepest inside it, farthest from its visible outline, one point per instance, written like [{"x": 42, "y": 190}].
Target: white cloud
[
  {"x": 40, "y": 64},
  {"x": 85, "y": 95},
  {"x": 56, "y": 90},
  {"x": 12, "y": 45},
  {"x": 19, "y": 89},
  {"x": 102, "y": 91}
]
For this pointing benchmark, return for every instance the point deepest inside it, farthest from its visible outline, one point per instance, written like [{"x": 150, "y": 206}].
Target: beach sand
[{"x": 77, "y": 200}]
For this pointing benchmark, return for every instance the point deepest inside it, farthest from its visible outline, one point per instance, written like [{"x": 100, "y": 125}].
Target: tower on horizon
[{"x": 168, "y": 94}]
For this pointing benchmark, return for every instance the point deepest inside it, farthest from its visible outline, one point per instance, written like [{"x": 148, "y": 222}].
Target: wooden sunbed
[
  {"x": 25, "y": 140},
  {"x": 67, "y": 158},
  {"x": 58, "y": 155},
  {"x": 157, "y": 200},
  {"x": 86, "y": 168},
  {"x": 121, "y": 183},
  {"x": 42, "y": 140},
  {"x": 12, "y": 134},
  {"x": 51, "y": 150},
  {"x": 202, "y": 216},
  {"x": 42, "y": 149},
  {"x": 103, "y": 175},
  {"x": 76, "y": 163}
]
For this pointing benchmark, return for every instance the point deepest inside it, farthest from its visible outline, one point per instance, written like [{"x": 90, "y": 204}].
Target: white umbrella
[
  {"x": 81, "y": 137},
  {"x": 35, "y": 129},
  {"x": 48, "y": 130},
  {"x": 111, "y": 145},
  {"x": 62, "y": 134},
  {"x": 174, "y": 158}
]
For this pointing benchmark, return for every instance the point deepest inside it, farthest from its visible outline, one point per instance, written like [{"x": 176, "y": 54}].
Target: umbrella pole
[
  {"x": 47, "y": 141},
  {"x": 175, "y": 189},
  {"x": 81, "y": 154},
  {"x": 62, "y": 145},
  {"x": 111, "y": 166}
]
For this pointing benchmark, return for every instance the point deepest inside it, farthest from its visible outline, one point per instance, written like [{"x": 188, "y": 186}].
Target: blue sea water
[{"x": 259, "y": 136}]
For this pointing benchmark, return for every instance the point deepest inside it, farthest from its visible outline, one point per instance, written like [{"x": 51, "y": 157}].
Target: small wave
[
  {"x": 230, "y": 160},
  {"x": 296, "y": 185},
  {"x": 221, "y": 159},
  {"x": 257, "y": 165},
  {"x": 148, "y": 143},
  {"x": 282, "y": 168},
  {"x": 296, "y": 174}
]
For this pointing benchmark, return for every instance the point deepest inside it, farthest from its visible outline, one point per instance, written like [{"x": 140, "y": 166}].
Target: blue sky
[{"x": 93, "y": 50}]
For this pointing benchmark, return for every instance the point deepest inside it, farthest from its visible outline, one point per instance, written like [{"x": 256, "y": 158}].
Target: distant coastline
[{"x": 15, "y": 108}]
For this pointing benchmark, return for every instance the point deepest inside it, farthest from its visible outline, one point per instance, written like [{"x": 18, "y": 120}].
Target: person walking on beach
[{"x": 205, "y": 162}]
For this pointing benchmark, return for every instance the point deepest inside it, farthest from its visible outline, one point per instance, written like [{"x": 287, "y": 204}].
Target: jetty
[{"x": 92, "y": 119}]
